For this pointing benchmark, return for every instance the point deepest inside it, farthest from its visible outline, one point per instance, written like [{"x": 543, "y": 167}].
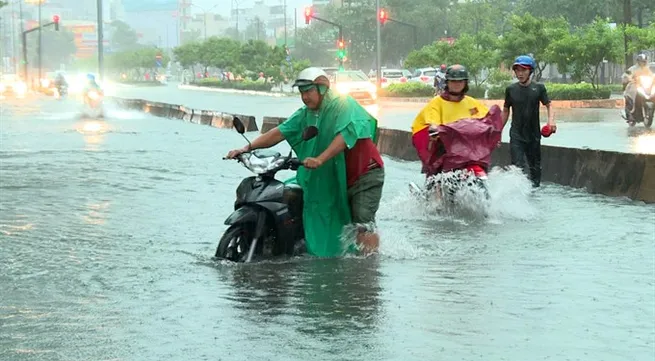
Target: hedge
[
  {"x": 141, "y": 82},
  {"x": 241, "y": 85},
  {"x": 555, "y": 91}
]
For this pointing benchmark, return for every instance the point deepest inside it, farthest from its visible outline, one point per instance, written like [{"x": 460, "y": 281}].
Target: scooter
[
  {"x": 445, "y": 185},
  {"x": 459, "y": 157},
  {"x": 645, "y": 97},
  {"x": 267, "y": 217},
  {"x": 93, "y": 103}
]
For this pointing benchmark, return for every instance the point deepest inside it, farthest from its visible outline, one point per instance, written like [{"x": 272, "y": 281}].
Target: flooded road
[
  {"x": 107, "y": 231},
  {"x": 577, "y": 128}
]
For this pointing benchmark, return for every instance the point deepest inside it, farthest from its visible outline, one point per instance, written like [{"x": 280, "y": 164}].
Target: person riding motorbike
[
  {"x": 629, "y": 79},
  {"x": 342, "y": 174},
  {"x": 91, "y": 85},
  {"x": 452, "y": 105},
  {"x": 60, "y": 81},
  {"x": 439, "y": 79}
]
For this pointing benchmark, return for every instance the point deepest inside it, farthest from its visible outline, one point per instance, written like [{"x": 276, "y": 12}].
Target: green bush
[
  {"x": 407, "y": 90},
  {"x": 240, "y": 85},
  {"x": 562, "y": 92},
  {"x": 141, "y": 82},
  {"x": 576, "y": 92},
  {"x": 555, "y": 91}
]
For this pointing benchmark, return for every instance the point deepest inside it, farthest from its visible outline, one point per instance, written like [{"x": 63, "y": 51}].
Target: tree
[
  {"x": 465, "y": 51},
  {"x": 256, "y": 30},
  {"x": 123, "y": 37},
  {"x": 531, "y": 35},
  {"x": 640, "y": 39},
  {"x": 189, "y": 36},
  {"x": 58, "y": 48},
  {"x": 3, "y": 4},
  {"x": 583, "y": 51},
  {"x": 311, "y": 46}
]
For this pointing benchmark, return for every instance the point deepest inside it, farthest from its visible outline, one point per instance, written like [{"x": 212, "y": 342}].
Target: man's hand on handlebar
[{"x": 236, "y": 152}]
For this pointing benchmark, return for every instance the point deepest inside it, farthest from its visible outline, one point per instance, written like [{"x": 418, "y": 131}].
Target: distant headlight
[
  {"x": 20, "y": 87},
  {"x": 343, "y": 89}
]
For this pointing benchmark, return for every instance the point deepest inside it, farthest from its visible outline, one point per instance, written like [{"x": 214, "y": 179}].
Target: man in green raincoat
[{"x": 343, "y": 171}]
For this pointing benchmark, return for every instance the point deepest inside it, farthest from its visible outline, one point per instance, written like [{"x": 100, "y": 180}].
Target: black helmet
[
  {"x": 641, "y": 58},
  {"x": 457, "y": 72}
]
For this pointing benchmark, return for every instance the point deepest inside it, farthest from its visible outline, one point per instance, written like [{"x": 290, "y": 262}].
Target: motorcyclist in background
[
  {"x": 452, "y": 105},
  {"x": 629, "y": 78},
  {"x": 60, "y": 80},
  {"x": 439, "y": 79}
]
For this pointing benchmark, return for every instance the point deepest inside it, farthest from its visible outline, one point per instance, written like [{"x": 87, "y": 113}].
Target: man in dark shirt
[{"x": 525, "y": 136}]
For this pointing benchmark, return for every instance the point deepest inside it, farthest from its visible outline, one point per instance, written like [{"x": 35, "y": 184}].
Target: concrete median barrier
[
  {"x": 195, "y": 116},
  {"x": 604, "y": 172}
]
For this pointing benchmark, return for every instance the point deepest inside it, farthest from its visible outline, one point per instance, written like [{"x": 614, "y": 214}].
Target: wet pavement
[
  {"x": 577, "y": 128},
  {"x": 107, "y": 229}
]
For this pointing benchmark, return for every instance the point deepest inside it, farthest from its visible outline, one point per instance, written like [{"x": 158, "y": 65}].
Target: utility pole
[
  {"x": 101, "y": 49},
  {"x": 284, "y": 6},
  {"x": 22, "y": 27},
  {"x": 40, "y": 50},
  {"x": 378, "y": 57}
]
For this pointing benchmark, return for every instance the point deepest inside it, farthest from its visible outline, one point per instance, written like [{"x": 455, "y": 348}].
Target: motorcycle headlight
[
  {"x": 93, "y": 95},
  {"x": 20, "y": 87},
  {"x": 646, "y": 82}
]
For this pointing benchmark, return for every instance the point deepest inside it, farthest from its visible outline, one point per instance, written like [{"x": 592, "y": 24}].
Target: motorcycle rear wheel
[{"x": 235, "y": 243}]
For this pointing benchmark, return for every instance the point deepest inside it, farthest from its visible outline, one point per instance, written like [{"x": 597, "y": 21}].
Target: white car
[
  {"x": 424, "y": 75},
  {"x": 392, "y": 76},
  {"x": 356, "y": 84}
]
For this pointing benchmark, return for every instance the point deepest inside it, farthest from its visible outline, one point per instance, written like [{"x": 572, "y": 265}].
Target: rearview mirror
[
  {"x": 309, "y": 132},
  {"x": 238, "y": 125}
]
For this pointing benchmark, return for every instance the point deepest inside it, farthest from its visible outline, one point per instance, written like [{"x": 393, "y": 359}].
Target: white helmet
[{"x": 311, "y": 76}]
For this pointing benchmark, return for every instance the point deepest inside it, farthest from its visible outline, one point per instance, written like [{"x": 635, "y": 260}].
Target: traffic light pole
[
  {"x": 340, "y": 27},
  {"x": 378, "y": 43},
  {"x": 38, "y": 28},
  {"x": 414, "y": 27}
]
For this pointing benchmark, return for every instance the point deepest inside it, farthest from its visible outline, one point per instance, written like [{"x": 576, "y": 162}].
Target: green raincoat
[{"x": 326, "y": 208}]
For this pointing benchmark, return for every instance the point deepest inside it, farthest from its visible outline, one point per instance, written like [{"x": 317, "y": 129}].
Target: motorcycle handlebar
[{"x": 294, "y": 163}]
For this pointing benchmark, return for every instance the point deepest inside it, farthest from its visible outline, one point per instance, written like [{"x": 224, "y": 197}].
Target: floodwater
[{"x": 107, "y": 229}]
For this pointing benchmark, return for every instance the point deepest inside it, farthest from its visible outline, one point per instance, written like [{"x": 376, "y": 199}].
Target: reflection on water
[
  {"x": 643, "y": 139},
  {"x": 97, "y": 213},
  {"x": 335, "y": 300},
  {"x": 93, "y": 132}
]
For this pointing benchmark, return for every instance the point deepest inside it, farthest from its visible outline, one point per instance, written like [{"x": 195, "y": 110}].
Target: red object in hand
[{"x": 546, "y": 131}]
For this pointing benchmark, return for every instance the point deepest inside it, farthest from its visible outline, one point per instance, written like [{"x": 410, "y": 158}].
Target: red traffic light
[
  {"x": 308, "y": 14},
  {"x": 341, "y": 44},
  {"x": 383, "y": 16},
  {"x": 55, "y": 20}
]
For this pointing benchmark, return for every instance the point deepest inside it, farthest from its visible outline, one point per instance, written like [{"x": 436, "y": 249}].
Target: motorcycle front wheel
[
  {"x": 235, "y": 243},
  {"x": 648, "y": 115}
]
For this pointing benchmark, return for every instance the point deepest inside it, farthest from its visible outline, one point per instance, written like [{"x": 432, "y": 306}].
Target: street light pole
[
  {"x": 378, "y": 57},
  {"x": 101, "y": 49},
  {"x": 40, "y": 50},
  {"x": 285, "y": 22}
]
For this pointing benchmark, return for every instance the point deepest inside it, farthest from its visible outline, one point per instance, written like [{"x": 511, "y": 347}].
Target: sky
[{"x": 225, "y": 5}]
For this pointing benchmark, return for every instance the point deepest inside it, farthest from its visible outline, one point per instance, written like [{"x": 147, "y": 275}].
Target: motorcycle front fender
[{"x": 242, "y": 215}]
